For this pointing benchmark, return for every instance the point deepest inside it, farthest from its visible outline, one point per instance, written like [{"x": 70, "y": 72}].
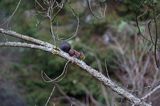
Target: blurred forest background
[{"x": 107, "y": 34}]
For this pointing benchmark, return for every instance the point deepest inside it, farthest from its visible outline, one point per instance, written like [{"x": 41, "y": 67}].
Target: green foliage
[
  {"x": 129, "y": 9},
  {"x": 77, "y": 82},
  {"x": 99, "y": 27}
]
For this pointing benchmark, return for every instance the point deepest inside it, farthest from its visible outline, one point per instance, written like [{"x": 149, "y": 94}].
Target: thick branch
[
  {"x": 23, "y": 37},
  {"x": 51, "y": 48},
  {"x": 25, "y": 45}
]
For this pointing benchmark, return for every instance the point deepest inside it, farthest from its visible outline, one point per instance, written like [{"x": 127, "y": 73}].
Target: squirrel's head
[{"x": 65, "y": 46}]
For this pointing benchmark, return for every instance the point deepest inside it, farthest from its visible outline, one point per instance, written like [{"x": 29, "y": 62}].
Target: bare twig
[
  {"x": 156, "y": 40},
  {"x": 149, "y": 30},
  {"x": 57, "y": 79},
  {"x": 77, "y": 26},
  {"x": 74, "y": 34},
  {"x": 151, "y": 92},
  {"x": 10, "y": 17},
  {"x": 139, "y": 30},
  {"x": 73, "y": 101},
  {"x": 90, "y": 8},
  {"x": 50, "y": 96},
  {"x": 36, "y": 2}
]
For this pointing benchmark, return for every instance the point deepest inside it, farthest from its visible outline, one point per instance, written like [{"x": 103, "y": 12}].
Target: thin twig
[
  {"x": 57, "y": 79},
  {"x": 150, "y": 34},
  {"x": 15, "y": 10},
  {"x": 90, "y": 8},
  {"x": 156, "y": 40},
  {"x": 46, "y": 104},
  {"x": 151, "y": 92}
]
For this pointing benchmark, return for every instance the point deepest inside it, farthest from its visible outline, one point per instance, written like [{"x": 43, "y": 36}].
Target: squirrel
[{"x": 66, "y": 47}]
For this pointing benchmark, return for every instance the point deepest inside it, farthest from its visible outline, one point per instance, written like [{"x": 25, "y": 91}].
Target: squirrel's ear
[{"x": 65, "y": 46}]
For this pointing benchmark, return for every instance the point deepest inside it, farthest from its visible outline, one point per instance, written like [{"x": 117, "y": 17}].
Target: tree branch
[
  {"x": 25, "y": 45},
  {"x": 52, "y": 49},
  {"x": 24, "y": 37},
  {"x": 151, "y": 92}
]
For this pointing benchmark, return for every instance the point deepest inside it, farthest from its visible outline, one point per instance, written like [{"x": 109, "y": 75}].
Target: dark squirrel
[{"x": 66, "y": 47}]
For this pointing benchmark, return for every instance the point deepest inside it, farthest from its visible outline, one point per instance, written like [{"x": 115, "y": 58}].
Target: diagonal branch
[
  {"x": 51, "y": 48},
  {"x": 151, "y": 92}
]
